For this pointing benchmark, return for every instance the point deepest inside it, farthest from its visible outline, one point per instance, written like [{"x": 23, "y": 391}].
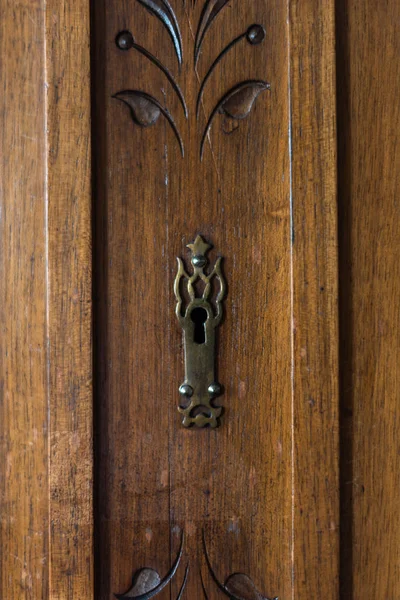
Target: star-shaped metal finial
[{"x": 199, "y": 247}]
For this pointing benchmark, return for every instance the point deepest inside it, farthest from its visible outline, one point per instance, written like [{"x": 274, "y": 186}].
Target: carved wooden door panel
[{"x": 216, "y": 438}]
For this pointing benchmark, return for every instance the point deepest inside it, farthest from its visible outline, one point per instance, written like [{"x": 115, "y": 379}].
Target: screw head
[
  {"x": 124, "y": 40},
  {"x": 186, "y": 390},
  {"x": 199, "y": 260},
  {"x": 255, "y": 34},
  {"x": 214, "y": 389}
]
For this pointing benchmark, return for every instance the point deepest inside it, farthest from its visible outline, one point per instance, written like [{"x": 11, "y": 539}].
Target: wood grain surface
[
  {"x": 369, "y": 182},
  {"x": 45, "y": 302},
  {"x": 24, "y": 517},
  {"x": 264, "y": 486},
  {"x": 69, "y": 299},
  {"x": 315, "y": 302}
]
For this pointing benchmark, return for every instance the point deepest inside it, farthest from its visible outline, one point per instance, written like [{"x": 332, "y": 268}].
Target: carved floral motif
[{"x": 237, "y": 103}]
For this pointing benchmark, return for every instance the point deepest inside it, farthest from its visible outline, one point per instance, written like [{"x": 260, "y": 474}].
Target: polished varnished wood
[
  {"x": 45, "y": 302},
  {"x": 369, "y": 182},
  {"x": 262, "y": 488}
]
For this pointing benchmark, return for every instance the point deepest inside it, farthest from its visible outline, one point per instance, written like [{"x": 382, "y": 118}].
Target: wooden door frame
[{"x": 45, "y": 313}]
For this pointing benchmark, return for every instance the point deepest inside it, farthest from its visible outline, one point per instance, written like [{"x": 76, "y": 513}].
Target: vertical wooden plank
[
  {"x": 23, "y": 356},
  {"x": 69, "y": 306},
  {"x": 369, "y": 182},
  {"x": 315, "y": 319}
]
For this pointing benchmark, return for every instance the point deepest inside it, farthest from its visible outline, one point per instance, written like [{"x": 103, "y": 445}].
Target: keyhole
[{"x": 199, "y": 317}]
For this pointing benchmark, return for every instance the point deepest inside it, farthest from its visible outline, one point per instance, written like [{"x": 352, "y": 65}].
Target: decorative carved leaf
[
  {"x": 145, "y": 110},
  {"x": 237, "y": 103},
  {"x": 147, "y": 583},
  {"x": 144, "y": 581},
  {"x": 237, "y": 587},
  {"x": 210, "y": 11},
  {"x": 163, "y": 11},
  {"x": 241, "y": 586}
]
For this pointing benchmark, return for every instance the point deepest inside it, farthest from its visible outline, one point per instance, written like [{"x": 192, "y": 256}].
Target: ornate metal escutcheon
[{"x": 199, "y": 320}]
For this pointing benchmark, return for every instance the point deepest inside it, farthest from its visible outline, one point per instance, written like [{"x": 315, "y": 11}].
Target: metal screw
[
  {"x": 199, "y": 260},
  {"x": 214, "y": 389},
  {"x": 186, "y": 390}
]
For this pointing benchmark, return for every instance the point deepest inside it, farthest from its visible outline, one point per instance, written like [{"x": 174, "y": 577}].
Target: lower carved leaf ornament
[
  {"x": 237, "y": 586},
  {"x": 147, "y": 583}
]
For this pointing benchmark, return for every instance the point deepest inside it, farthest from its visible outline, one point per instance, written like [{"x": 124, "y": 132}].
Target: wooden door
[{"x": 149, "y": 452}]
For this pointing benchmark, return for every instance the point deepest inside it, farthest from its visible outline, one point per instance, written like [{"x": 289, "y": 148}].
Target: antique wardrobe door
[
  {"x": 184, "y": 430},
  {"x": 216, "y": 439}
]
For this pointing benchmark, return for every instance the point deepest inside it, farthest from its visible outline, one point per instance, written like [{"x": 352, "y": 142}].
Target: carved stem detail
[
  {"x": 255, "y": 34},
  {"x": 163, "y": 11},
  {"x": 125, "y": 41},
  {"x": 210, "y": 11}
]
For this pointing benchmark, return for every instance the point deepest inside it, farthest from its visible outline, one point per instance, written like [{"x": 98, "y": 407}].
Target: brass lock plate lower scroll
[{"x": 199, "y": 320}]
